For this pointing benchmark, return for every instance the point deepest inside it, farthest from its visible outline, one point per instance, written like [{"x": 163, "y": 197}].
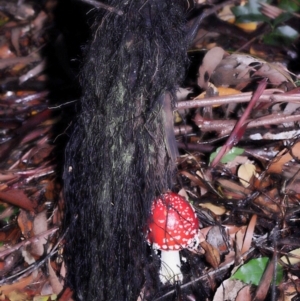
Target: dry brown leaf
[
  {"x": 274, "y": 72},
  {"x": 25, "y": 222},
  {"x": 5, "y": 52},
  {"x": 212, "y": 255},
  {"x": 270, "y": 202},
  {"x": 290, "y": 289},
  {"x": 210, "y": 61},
  {"x": 226, "y": 14},
  {"x": 283, "y": 157},
  {"x": 28, "y": 258},
  {"x": 238, "y": 160},
  {"x": 217, "y": 210},
  {"x": 205, "y": 230},
  {"x": 216, "y": 237},
  {"x": 12, "y": 236},
  {"x": 249, "y": 234},
  {"x": 46, "y": 289},
  {"x": 57, "y": 286},
  {"x": 66, "y": 295},
  {"x": 239, "y": 238},
  {"x": 233, "y": 70},
  {"x": 20, "y": 62},
  {"x": 33, "y": 72},
  {"x": 232, "y": 189},
  {"x": 15, "y": 38},
  {"x": 39, "y": 225},
  {"x": 245, "y": 173},
  {"x": 228, "y": 290},
  {"x": 6, "y": 176},
  {"x": 196, "y": 180},
  {"x": 244, "y": 294},
  {"x": 50, "y": 191},
  {"x": 232, "y": 229},
  {"x": 19, "y": 285},
  {"x": 63, "y": 270},
  {"x": 17, "y": 296},
  {"x": 237, "y": 70},
  {"x": 18, "y": 198},
  {"x": 7, "y": 213},
  {"x": 39, "y": 22},
  {"x": 293, "y": 257}
]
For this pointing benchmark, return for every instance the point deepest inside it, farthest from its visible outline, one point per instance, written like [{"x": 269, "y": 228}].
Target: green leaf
[
  {"x": 281, "y": 35},
  {"x": 230, "y": 156},
  {"x": 249, "y": 12},
  {"x": 2, "y": 208},
  {"x": 284, "y": 17},
  {"x": 252, "y": 271},
  {"x": 287, "y": 31},
  {"x": 3, "y": 19},
  {"x": 290, "y": 6}
]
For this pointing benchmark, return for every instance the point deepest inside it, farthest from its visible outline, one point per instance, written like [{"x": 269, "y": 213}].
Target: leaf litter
[
  {"x": 247, "y": 203},
  {"x": 30, "y": 188}
]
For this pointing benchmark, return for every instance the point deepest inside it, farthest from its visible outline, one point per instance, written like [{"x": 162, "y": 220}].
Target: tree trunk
[{"x": 122, "y": 151}]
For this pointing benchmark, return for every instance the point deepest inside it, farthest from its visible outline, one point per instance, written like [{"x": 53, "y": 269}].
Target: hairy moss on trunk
[{"x": 122, "y": 151}]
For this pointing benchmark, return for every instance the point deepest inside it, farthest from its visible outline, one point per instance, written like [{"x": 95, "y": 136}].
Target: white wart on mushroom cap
[{"x": 173, "y": 226}]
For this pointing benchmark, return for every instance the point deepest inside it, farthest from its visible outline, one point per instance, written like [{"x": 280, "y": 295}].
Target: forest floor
[{"x": 237, "y": 127}]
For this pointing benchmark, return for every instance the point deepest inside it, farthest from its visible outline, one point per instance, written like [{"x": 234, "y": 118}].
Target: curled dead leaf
[
  {"x": 212, "y": 255},
  {"x": 245, "y": 173},
  {"x": 210, "y": 61},
  {"x": 217, "y": 210}
]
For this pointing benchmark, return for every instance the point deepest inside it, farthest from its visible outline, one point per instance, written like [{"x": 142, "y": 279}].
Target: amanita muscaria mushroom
[{"x": 173, "y": 226}]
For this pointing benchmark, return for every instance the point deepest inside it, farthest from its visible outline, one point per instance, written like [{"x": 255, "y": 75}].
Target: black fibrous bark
[{"x": 122, "y": 151}]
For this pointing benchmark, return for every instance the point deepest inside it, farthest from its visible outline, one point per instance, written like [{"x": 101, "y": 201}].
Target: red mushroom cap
[{"x": 173, "y": 223}]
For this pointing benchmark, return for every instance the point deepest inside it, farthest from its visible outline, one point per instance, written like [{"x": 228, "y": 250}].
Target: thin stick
[
  {"x": 104, "y": 6},
  {"x": 266, "y": 97},
  {"x": 224, "y": 127},
  {"x": 240, "y": 126},
  {"x": 34, "y": 266},
  {"x": 28, "y": 241}
]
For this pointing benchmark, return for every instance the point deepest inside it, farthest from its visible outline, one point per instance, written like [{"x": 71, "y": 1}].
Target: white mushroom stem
[{"x": 170, "y": 267}]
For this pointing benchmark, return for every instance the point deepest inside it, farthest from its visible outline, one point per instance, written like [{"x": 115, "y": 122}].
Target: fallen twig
[
  {"x": 28, "y": 241},
  {"x": 267, "y": 97},
  {"x": 104, "y": 6},
  {"x": 240, "y": 126}
]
